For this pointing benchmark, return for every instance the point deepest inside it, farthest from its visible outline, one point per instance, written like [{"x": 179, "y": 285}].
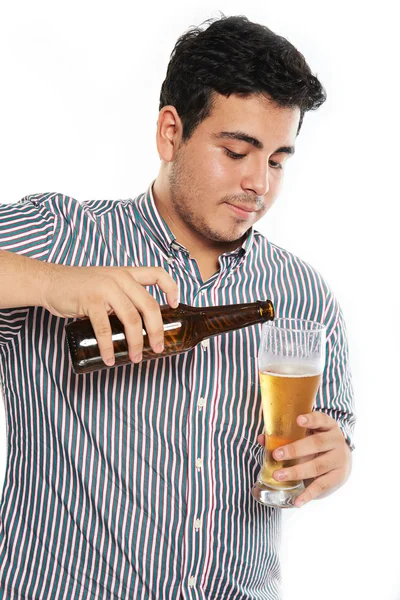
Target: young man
[{"x": 134, "y": 482}]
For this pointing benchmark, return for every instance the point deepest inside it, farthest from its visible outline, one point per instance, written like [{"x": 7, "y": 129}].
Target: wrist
[{"x": 45, "y": 277}]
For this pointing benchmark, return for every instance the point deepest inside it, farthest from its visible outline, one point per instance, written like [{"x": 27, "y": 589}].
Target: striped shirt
[{"x": 134, "y": 482}]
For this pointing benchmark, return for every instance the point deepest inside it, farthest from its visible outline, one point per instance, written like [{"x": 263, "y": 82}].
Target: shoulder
[
  {"x": 103, "y": 208},
  {"x": 52, "y": 201},
  {"x": 297, "y": 288},
  {"x": 66, "y": 206},
  {"x": 287, "y": 265}
]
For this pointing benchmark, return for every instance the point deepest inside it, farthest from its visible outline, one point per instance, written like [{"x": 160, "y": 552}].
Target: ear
[{"x": 169, "y": 133}]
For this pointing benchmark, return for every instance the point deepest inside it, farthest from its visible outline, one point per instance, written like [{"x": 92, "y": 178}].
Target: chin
[{"x": 229, "y": 237}]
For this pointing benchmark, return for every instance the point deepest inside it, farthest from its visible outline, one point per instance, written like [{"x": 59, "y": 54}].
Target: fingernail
[
  {"x": 280, "y": 475},
  {"x": 278, "y": 454},
  {"x": 137, "y": 358},
  {"x": 175, "y": 303},
  {"x": 160, "y": 347},
  {"x": 299, "y": 504},
  {"x": 110, "y": 361},
  {"x": 302, "y": 420}
]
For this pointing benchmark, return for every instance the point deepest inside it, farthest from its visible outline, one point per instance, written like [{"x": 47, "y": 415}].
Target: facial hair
[{"x": 185, "y": 193}]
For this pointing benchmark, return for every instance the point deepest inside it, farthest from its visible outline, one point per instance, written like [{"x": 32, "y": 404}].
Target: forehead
[{"x": 256, "y": 115}]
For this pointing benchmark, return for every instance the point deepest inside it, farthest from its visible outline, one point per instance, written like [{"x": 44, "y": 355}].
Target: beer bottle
[{"x": 184, "y": 327}]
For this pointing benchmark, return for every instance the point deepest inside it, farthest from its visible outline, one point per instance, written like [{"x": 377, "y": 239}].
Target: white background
[{"x": 78, "y": 111}]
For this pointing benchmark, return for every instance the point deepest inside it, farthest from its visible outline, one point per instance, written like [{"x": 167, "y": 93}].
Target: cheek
[
  {"x": 215, "y": 167},
  {"x": 275, "y": 184}
]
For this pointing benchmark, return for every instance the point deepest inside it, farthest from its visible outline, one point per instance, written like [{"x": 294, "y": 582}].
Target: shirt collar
[
  {"x": 150, "y": 219},
  {"x": 146, "y": 211}
]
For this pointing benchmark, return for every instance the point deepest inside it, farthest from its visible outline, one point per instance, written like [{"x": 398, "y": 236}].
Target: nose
[{"x": 257, "y": 178}]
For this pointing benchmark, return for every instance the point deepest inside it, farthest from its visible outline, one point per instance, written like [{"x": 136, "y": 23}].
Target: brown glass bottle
[{"x": 184, "y": 328}]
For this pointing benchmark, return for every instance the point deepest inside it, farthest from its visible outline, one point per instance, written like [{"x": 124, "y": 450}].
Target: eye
[
  {"x": 234, "y": 155},
  {"x": 275, "y": 165}
]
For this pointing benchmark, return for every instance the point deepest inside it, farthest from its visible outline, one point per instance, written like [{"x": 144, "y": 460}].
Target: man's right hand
[{"x": 96, "y": 292}]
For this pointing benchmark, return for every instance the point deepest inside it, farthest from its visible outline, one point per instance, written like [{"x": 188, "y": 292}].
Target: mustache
[{"x": 245, "y": 200}]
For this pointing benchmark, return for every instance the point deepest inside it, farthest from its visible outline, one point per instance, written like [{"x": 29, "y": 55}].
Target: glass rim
[{"x": 317, "y": 327}]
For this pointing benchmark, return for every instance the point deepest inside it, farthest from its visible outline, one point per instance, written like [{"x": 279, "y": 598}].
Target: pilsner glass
[{"x": 291, "y": 360}]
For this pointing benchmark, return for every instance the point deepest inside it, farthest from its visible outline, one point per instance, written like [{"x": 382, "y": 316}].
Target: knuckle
[
  {"x": 93, "y": 297},
  {"x": 124, "y": 277},
  {"x": 100, "y": 290},
  {"x": 133, "y": 320},
  {"x": 152, "y": 304},
  {"x": 320, "y": 468},
  {"x": 318, "y": 442},
  {"x": 290, "y": 453},
  {"x": 321, "y": 486},
  {"x": 156, "y": 332},
  {"x": 103, "y": 330}
]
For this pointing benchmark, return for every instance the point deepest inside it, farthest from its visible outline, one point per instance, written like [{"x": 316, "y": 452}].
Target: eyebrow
[{"x": 243, "y": 137}]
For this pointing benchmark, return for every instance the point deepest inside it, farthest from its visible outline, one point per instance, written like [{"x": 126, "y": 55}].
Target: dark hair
[{"x": 235, "y": 56}]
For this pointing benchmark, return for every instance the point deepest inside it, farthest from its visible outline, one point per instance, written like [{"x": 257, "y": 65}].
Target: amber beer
[
  {"x": 184, "y": 327},
  {"x": 287, "y": 391}
]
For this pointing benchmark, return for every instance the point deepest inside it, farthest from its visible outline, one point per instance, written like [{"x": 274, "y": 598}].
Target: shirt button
[
  {"x": 205, "y": 343},
  {"x": 170, "y": 260},
  {"x": 192, "y": 581},
  {"x": 197, "y": 524},
  {"x": 201, "y": 402},
  {"x": 175, "y": 246},
  {"x": 199, "y": 463},
  {"x": 203, "y": 292}
]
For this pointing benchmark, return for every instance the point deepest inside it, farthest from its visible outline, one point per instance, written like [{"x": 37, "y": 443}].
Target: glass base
[{"x": 279, "y": 498}]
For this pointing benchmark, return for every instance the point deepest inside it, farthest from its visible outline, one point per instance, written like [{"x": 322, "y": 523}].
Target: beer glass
[{"x": 291, "y": 360}]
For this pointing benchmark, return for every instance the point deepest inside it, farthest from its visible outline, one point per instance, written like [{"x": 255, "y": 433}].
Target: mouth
[{"x": 242, "y": 212}]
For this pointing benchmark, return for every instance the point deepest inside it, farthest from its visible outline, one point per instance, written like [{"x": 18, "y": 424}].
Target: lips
[
  {"x": 245, "y": 208},
  {"x": 244, "y": 212}
]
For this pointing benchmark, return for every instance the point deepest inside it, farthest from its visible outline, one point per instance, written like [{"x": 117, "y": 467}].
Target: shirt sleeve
[
  {"x": 335, "y": 396},
  {"x": 26, "y": 228}
]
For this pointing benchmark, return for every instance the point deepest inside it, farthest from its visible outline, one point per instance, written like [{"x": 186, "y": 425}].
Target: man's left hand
[{"x": 324, "y": 454}]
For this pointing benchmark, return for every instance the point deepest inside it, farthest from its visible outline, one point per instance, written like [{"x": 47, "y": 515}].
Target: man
[{"x": 134, "y": 482}]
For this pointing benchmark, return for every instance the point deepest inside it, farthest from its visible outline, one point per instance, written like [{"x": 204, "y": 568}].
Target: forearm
[{"x": 22, "y": 280}]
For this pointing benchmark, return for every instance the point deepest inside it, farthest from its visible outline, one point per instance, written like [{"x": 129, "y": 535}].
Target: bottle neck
[{"x": 221, "y": 319}]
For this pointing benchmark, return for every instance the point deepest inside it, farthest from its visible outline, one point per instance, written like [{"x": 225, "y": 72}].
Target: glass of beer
[{"x": 291, "y": 360}]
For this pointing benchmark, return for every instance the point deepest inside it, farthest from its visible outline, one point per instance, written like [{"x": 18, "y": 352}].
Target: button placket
[
  {"x": 195, "y": 559},
  {"x": 197, "y": 524}
]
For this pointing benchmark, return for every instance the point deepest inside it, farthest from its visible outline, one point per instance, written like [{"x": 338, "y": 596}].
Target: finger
[
  {"x": 102, "y": 330},
  {"x": 317, "y": 420},
  {"x": 261, "y": 440},
  {"x": 158, "y": 276},
  {"x": 129, "y": 316},
  {"x": 320, "y": 487},
  {"x": 321, "y": 465},
  {"x": 149, "y": 309},
  {"x": 312, "y": 444}
]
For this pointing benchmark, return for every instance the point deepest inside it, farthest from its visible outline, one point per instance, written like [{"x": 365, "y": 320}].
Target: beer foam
[{"x": 292, "y": 369}]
